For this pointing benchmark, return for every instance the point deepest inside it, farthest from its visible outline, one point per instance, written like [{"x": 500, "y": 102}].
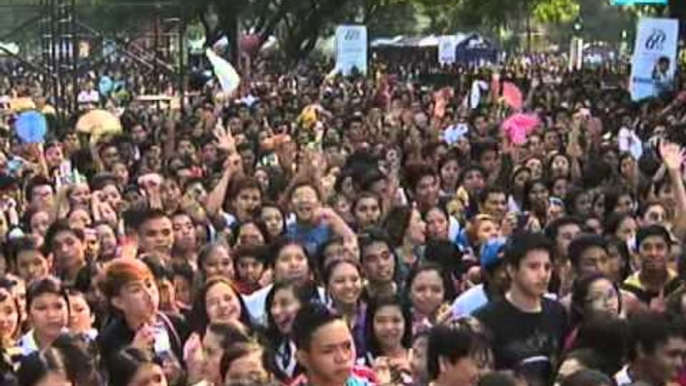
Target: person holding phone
[{"x": 133, "y": 298}]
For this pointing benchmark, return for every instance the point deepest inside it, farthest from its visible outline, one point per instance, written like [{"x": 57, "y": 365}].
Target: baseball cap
[
  {"x": 492, "y": 253},
  {"x": 653, "y": 230}
]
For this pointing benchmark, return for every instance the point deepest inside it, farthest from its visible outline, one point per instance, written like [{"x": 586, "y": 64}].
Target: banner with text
[
  {"x": 351, "y": 49},
  {"x": 654, "y": 61}
]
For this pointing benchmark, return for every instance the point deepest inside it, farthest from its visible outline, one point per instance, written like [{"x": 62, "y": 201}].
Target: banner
[
  {"x": 351, "y": 49},
  {"x": 654, "y": 61},
  {"x": 447, "y": 46},
  {"x": 637, "y": 2}
]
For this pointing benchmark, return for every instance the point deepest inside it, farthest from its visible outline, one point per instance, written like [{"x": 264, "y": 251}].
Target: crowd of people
[{"x": 322, "y": 230}]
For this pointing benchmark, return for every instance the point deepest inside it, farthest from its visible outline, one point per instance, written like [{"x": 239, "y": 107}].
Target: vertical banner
[
  {"x": 351, "y": 49},
  {"x": 447, "y": 50},
  {"x": 655, "y": 54}
]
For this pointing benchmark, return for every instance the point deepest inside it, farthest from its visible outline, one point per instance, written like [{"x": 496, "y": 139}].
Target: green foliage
[
  {"x": 604, "y": 22},
  {"x": 556, "y": 11},
  {"x": 390, "y": 17}
]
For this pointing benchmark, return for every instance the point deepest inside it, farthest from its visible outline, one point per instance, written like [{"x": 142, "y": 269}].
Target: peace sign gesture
[{"x": 225, "y": 140}]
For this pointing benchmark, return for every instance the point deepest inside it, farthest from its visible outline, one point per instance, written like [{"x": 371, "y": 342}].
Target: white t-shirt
[{"x": 89, "y": 97}]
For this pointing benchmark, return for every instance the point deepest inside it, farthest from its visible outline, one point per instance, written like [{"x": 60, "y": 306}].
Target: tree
[
  {"x": 604, "y": 22},
  {"x": 388, "y": 17},
  {"x": 297, "y": 23},
  {"x": 304, "y": 23},
  {"x": 557, "y": 11}
]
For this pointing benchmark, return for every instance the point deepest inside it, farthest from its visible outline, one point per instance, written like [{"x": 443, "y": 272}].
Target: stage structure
[{"x": 68, "y": 48}]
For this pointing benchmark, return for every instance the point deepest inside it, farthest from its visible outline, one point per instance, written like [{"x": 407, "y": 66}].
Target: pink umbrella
[
  {"x": 513, "y": 95},
  {"x": 518, "y": 126}
]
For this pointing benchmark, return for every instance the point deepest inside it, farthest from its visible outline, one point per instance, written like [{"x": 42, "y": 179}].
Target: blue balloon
[
  {"x": 31, "y": 127},
  {"x": 106, "y": 85}
]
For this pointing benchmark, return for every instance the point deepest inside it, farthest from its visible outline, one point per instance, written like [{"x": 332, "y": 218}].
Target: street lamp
[{"x": 578, "y": 25}]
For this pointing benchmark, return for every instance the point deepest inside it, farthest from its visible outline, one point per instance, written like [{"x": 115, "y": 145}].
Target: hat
[
  {"x": 492, "y": 253},
  {"x": 653, "y": 230}
]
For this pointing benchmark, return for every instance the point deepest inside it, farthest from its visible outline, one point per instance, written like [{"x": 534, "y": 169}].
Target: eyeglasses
[{"x": 603, "y": 298}]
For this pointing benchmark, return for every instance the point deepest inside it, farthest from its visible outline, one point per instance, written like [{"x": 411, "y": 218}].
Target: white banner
[
  {"x": 447, "y": 46},
  {"x": 351, "y": 49},
  {"x": 654, "y": 61}
]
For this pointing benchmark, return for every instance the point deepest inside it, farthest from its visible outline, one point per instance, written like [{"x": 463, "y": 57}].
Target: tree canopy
[{"x": 299, "y": 23}]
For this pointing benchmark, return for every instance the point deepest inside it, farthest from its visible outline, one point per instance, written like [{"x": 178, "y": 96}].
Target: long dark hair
[
  {"x": 303, "y": 293},
  {"x": 448, "y": 288},
  {"x": 69, "y": 356},
  {"x": 624, "y": 254},
  {"x": 374, "y": 306},
  {"x": 199, "y": 319},
  {"x": 126, "y": 363},
  {"x": 6, "y": 291},
  {"x": 396, "y": 224},
  {"x": 329, "y": 269},
  {"x": 527, "y": 205},
  {"x": 580, "y": 291}
]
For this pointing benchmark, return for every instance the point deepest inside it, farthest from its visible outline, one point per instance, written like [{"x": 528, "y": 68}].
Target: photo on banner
[{"x": 655, "y": 57}]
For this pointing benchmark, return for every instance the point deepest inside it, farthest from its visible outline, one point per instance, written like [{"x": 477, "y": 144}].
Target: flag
[{"x": 227, "y": 75}]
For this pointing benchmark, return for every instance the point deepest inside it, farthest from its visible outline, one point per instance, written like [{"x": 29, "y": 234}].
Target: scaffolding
[
  {"x": 59, "y": 53},
  {"x": 60, "y": 65}
]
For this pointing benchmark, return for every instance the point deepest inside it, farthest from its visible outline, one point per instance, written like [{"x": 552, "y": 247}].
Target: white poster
[
  {"x": 447, "y": 46},
  {"x": 351, "y": 49},
  {"x": 654, "y": 61}
]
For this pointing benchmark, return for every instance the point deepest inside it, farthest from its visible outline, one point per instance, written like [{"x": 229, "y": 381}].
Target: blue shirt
[{"x": 311, "y": 238}]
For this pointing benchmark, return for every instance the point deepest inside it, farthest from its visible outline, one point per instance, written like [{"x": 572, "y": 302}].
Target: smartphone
[{"x": 15, "y": 165}]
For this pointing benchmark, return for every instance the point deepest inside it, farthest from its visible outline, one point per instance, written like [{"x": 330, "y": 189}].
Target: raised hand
[
  {"x": 144, "y": 338},
  {"x": 194, "y": 357},
  {"x": 382, "y": 370},
  {"x": 225, "y": 139},
  {"x": 672, "y": 155}
]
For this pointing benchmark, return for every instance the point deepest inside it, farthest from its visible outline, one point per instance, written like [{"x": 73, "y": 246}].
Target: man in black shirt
[{"x": 527, "y": 328}]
